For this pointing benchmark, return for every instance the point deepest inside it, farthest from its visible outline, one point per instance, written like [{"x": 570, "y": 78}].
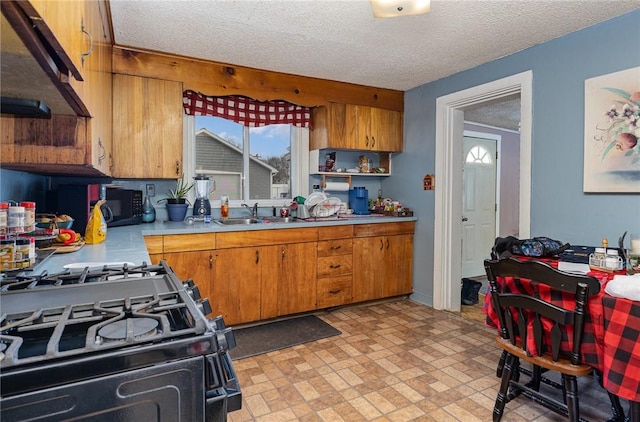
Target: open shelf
[{"x": 348, "y": 159}]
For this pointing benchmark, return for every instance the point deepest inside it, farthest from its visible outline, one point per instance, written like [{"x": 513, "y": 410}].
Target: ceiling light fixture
[{"x": 394, "y": 8}]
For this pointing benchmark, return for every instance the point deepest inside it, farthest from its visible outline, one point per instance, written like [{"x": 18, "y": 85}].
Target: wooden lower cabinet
[
  {"x": 243, "y": 284},
  {"x": 383, "y": 264},
  {"x": 195, "y": 265},
  {"x": 257, "y": 275},
  {"x": 296, "y": 278}
]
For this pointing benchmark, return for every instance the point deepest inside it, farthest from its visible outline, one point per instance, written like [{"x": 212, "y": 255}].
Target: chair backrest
[{"x": 522, "y": 313}]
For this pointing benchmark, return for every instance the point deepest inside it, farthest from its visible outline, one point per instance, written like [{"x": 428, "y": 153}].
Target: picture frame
[{"x": 612, "y": 132}]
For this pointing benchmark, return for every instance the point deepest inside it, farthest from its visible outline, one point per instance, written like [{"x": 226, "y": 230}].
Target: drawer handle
[
  {"x": 334, "y": 266},
  {"x": 335, "y": 248},
  {"x": 334, "y": 291}
]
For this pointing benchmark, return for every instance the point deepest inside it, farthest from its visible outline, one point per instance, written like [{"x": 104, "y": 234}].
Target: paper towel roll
[{"x": 337, "y": 186}]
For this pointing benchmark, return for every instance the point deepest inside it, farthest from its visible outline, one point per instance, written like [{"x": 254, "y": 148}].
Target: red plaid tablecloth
[
  {"x": 610, "y": 342},
  {"x": 621, "y": 369}
]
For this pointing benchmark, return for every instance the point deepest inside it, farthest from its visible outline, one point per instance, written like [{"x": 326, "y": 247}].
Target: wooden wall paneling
[{"x": 214, "y": 78}]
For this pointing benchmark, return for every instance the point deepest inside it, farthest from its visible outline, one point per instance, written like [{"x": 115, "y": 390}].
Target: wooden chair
[{"x": 522, "y": 316}]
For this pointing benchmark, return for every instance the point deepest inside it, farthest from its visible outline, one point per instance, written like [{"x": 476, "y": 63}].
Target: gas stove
[{"x": 113, "y": 329}]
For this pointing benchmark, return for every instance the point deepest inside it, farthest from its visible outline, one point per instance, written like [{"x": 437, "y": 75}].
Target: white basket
[{"x": 326, "y": 208}]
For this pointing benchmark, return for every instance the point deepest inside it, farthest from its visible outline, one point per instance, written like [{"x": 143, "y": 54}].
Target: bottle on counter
[
  {"x": 224, "y": 207},
  {"x": 148, "y": 211}
]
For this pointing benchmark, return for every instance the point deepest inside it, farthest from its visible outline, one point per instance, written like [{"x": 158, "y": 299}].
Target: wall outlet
[{"x": 151, "y": 190}]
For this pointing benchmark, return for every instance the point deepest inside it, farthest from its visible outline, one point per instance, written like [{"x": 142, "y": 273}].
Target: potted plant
[{"x": 177, "y": 202}]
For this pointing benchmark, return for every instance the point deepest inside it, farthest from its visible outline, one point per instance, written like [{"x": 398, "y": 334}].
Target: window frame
[{"x": 299, "y": 165}]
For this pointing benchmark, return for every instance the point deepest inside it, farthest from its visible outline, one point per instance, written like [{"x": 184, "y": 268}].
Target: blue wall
[
  {"x": 19, "y": 186},
  {"x": 559, "y": 208}
]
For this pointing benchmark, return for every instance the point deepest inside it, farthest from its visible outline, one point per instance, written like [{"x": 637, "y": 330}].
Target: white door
[{"x": 478, "y": 204}]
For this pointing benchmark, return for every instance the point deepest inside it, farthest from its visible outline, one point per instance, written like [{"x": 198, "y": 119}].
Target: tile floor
[{"x": 394, "y": 361}]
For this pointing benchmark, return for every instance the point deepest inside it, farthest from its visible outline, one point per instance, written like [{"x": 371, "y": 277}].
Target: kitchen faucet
[{"x": 253, "y": 210}]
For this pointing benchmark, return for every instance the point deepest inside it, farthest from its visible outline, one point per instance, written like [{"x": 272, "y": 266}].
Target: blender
[{"x": 202, "y": 206}]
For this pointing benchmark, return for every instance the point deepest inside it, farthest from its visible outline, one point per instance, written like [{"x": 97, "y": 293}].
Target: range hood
[
  {"x": 35, "y": 81},
  {"x": 21, "y": 107}
]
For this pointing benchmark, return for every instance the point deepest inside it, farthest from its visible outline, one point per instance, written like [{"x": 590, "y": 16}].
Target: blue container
[{"x": 359, "y": 201}]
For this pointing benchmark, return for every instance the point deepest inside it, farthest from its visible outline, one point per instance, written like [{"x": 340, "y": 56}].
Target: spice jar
[
  {"x": 598, "y": 258},
  {"x": 613, "y": 261},
  {"x": 4, "y": 207},
  {"x": 7, "y": 247},
  {"x": 21, "y": 253},
  {"x": 15, "y": 220},
  {"x": 29, "y": 215}
]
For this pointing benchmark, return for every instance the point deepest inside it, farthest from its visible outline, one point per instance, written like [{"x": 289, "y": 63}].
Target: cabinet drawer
[
  {"x": 189, "y": 242},
  {"x": 335, "y": 232},
  {"x": 154, "y": 244},
  {"x": 334, "y": 291},
  {"x": 265, "y": 237},
  {"x": 366, "y": 230},
  {"x": 335, "y": 247},
  {"x": 335, "y": 265}
]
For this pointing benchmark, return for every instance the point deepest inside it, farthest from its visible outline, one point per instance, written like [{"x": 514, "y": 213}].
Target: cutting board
[{"x": 60, "y": 248}]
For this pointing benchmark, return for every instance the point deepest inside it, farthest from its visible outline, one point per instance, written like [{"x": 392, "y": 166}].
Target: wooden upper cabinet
[
  {"x": 356, "y": 127},
  {"x": 80, "y": 144},
  {"x": 147, "y": 128}
]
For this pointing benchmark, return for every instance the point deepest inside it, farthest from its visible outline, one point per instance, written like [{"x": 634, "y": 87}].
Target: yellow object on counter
[{"x": 96, "y": 231}]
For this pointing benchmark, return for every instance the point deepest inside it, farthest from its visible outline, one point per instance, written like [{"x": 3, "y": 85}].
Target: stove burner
[{"x": 140, "y": 327}]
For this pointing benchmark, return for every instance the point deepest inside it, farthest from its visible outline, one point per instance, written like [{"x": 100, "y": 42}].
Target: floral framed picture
[{"x": 611, "y": 132}]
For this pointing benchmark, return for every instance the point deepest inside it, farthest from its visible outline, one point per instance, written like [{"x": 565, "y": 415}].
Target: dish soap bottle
[{"x": 148, "y": 212}]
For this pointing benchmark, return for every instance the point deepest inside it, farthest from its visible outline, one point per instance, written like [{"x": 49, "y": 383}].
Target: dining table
[{"x": 611, "y": 338}]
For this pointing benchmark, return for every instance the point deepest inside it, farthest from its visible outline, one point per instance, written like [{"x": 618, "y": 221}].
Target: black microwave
[{"x": 122, "y": 208}]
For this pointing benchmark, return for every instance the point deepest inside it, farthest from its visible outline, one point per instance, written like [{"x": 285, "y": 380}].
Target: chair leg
[
  {"x": 634, "y": 411},
  {"x": 570, "y": 384},
  {"x": 503, "y": 356},
  {"x": 501, "y": 400},
  {"x": 536, "y": 377},
  {"x": 617, "y": 412}
]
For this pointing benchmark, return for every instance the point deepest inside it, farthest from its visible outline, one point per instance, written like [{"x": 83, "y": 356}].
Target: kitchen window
[{"x": 267, "y": 164}]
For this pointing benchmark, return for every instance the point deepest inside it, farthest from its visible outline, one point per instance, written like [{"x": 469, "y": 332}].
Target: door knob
[{"x": 464, "y": 219}]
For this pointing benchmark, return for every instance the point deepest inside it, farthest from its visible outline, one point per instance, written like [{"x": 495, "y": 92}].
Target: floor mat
[{"x": 277, "y": 335}]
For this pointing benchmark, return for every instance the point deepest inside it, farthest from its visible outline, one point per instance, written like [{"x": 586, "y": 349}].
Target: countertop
[{"x": 126, "y": 244}]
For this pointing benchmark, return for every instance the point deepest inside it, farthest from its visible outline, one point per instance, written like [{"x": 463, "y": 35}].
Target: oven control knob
[
  {"x": 217, "y": 323},
  {"x": 204, "y": 306},
  {"x": 226, "y": 339},
  {"x": 194, "y": 292}
]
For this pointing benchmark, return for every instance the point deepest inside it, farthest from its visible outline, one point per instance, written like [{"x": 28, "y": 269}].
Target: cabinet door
[
  {"x": 386, "y": 130},
  {"x": 196, "y": 265},
  {"x": 368, "y": 268},
  {"x": 97, "y": 85},
  {"x": 297, "y": 278},
  {"x": 147, "y": 127},
  {"x": 358, "y": 127},
  {"x": 64, "y": 19},
  {"x": 398, "y": 256},
  {"x": 236, "y": 292}
]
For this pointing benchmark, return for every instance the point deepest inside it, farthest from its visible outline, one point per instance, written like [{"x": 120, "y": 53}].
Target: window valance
[{"x": 246, "y": 111}]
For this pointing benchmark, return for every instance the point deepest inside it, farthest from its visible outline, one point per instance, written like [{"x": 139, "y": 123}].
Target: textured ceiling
[
  {"x": 341, "y": 40},
  {"x": 502, "y": 113}
]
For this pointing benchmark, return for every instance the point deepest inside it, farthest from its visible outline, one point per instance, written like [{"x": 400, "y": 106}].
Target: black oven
[{"x": 113, "y": 344}]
